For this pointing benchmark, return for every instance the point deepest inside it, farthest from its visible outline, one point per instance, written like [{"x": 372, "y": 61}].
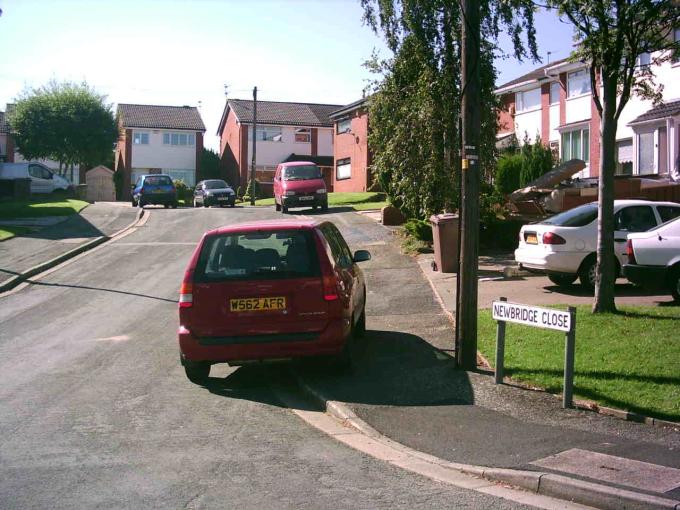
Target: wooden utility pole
[
  {"x": 466, "y": 306},
  {"x": 252, "y": 165}
]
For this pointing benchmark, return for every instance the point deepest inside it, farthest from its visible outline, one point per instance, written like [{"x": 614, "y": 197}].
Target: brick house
[
  {"x": 350, "y": 148},
  {"x": 6, "y": 141},
  {"x": 285, "y": 132},
  {"x": 158, "y": 139},
  {"x": 554, "y": 102}
]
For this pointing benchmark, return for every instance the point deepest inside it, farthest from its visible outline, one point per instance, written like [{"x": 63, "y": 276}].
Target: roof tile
[
  {"x": 289, "y": 114},
  {"x": 160, "y": 117},
  {"x": 660, "y": 111}
]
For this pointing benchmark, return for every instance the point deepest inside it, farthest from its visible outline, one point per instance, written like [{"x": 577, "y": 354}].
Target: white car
[
  {"x": 564, "y": 246},
  {"x": 654, "y": 258},
  {"x": 43, "y": 180}
]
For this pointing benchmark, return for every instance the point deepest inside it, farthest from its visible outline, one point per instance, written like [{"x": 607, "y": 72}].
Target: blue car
[{"x": 156, "y": 189}]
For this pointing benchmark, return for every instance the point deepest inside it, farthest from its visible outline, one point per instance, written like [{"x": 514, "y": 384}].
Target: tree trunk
[
  {"x": 71, "y": 179},
  {"x": 606, "y": 259}
]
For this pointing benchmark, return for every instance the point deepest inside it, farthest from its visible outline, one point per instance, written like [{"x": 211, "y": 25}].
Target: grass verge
[
  {"x": 38, "y": 208},
  {"x": 35, "y": 208},
  {"x": 9, "y": 231},
  {"x": 358, "y": 201},
  {"x": 628, "y": 361}
]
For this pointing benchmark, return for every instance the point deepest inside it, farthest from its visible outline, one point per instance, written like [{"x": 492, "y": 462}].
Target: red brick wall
[
  {"x": 10, "y": 148},
  {"x": 594, "y": 162},
  {"x": 199, "y": 151},
  {"x": 230, "y": 151},
  {"x": 545, "y": 114},
  {"x": 563, "y": 99},
  {"x": 315, "y": 141},
  {"x": 243, "y": 155},
  {"x": 506, "y": 120},
  {"x": 353, "y": 145}
]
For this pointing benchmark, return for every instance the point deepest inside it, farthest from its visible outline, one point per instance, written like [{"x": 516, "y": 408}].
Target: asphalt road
[{"x": 95, "y": 410}]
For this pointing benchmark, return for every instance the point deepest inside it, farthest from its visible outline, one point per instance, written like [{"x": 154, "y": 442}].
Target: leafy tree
[
  {"x": 508, "y": 173},
  {"x": 69, "y": 123},
  {"x": 209, "y": 165},
  {"x": 611, "y": 35},
  {"x": 516, "y": 170},
  {"x": 415, "y": 107}
]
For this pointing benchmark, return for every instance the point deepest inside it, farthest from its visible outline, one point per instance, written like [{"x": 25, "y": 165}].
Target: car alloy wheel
[{"x": 588, "y": 274}]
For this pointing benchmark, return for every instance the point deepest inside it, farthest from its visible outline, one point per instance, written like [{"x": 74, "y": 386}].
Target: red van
[
  {"x": 270, "y": 290},
  {"x": 299, "y": 184}
]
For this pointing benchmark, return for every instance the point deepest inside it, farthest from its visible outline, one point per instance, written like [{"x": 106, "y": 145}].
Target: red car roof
[
  {"x": 298, "y": 163},
  {"x": 266, "y": 225}
]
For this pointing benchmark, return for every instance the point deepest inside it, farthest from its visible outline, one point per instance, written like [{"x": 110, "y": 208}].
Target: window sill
[
  {"x": 520, "y": 112},
  {"x": 580, "y": 96}
]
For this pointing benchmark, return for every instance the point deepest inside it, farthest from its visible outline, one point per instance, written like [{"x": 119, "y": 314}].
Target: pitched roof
[
  {"x": 160, "y": 117},
  {"x": 284, "y": 113},
  {"x": 356, "y": 105},
  {"x": 534, "y": 75},
  {"x": 660, "y": 111}
]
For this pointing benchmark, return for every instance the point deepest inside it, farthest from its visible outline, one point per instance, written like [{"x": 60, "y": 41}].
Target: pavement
[
  {"x": 405, "y": 387},
  {"x": 55, "y": 238}
]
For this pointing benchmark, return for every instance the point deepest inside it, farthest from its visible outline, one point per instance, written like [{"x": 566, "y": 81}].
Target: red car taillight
[
  {"x": 330, "y": 287},
  {"x": 630, "y": 253},
  {"x": 552, "y": 238},
  {"x": 186, "y": 297}
]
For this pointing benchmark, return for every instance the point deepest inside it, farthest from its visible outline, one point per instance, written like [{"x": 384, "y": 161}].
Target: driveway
[{"x": 530, "y": 288}]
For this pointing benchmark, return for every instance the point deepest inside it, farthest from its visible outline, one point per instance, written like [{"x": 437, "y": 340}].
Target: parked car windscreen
[
  {"x": 294, "y": 173},
  {"x": 576, "y": 217},
  {"x": 216, "y": 184},
  {"x": 259, "y": 255},
  {"x": 160, "y": 180}
]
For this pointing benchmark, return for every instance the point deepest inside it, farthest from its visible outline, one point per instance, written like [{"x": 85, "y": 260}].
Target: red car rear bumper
[{"x": 217, "y": 350}]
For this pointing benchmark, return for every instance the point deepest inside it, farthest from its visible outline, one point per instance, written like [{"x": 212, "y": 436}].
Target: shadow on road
[
  {"x": 395, "y": 369},
  {"x": 75, "y": 227}
]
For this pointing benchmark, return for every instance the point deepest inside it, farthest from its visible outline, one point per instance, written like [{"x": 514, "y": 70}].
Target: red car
[
  {"x": 270, "y": 290},
  {"x": 299, "y": 184}
]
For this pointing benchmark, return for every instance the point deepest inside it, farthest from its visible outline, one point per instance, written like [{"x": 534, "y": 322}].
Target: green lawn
[
  {"x": 358, "y": 201},
  {"x": 35, "y": 208},
  {"x": 7, "y": 231},
  {"x": 38, "y": 208},
  {"x": 628, "y": 361}
]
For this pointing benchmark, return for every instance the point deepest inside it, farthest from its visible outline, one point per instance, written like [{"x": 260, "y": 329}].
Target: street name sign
[{"x": 535, "y": 316}]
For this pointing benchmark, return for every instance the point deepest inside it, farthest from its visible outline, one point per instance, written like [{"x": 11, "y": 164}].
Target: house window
[
  {"x": 676, "y": 38},
  {"x": 646, "y": 153},
  {"x": 344, "y": 126},
  {"x": 266, "y": 134},
  {"x": 140, "y": 138},
  {"x": 576, "y": 145},
  {"x": 578, "y": 83},
  {"x": 183, "y": 139},
  {"x": 303, "y": 135},
  {"x": 343, "y": 169},
  {"x": 644, "y": 59},
  {"x": 554, "y": 92},
  {"x": 624, "y": 157},
  {"x": 528, "y": 100}
]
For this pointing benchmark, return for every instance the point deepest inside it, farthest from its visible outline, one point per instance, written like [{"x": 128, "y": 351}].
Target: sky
[{"x": 180, "y": 52}]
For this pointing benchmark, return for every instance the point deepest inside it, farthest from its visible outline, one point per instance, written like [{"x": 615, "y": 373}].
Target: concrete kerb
[
  {"x": 546, "y": 484},
  {"x": 44, "y": 266}
]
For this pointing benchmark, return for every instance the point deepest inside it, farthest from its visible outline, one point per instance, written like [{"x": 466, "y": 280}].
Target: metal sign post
[{"x": 537, "y": 317}]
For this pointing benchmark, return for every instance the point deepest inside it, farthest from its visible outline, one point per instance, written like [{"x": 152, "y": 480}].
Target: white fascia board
[{"x": 564, "y": 67}]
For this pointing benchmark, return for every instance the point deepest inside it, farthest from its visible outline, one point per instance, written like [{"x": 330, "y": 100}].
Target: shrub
[
  {"x": 508, "y": 173},
  {"x": 419, "y": 229},
  {"x": 184, "y": 192},
  {"x": 253, "y": 187}
]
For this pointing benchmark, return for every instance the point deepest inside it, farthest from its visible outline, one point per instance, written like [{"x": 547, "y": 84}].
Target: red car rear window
[{"x": 258, "y": 255}]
